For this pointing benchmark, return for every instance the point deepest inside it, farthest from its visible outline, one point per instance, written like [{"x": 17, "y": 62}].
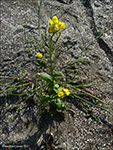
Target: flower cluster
[
  {"x": 39, "y": 55},
  {"x": 56, "y": 25},
  {"x": 62, "y": 92}
]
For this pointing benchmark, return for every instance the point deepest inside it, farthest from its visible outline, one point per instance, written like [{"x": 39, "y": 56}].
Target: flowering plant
[
  {"x": 55, "y": 91},
  {"x": 52, "y": 86},
  {"x": 54, "y": 80}
]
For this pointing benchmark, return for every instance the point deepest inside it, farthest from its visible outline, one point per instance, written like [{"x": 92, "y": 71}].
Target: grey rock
[
  {"x": 97, "y": 4},
  {"x": 85, "y": 20}
]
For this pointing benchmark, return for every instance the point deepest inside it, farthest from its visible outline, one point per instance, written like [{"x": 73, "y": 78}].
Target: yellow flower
[
  {"x": 51, "y": 28},
  {"x": 39, "y": 55},
  {"x": 56, "y": 25},
  {"x": 61, "y": 25},
  {"x": 54, "y": 20},
  {"x": 66, "y": 92},
  {"x": 62, "y": 92},
  {"x": 60, "y": 89}
]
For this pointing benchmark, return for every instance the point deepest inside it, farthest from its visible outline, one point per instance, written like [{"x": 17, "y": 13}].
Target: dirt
[{"x": 74, "y": 130}]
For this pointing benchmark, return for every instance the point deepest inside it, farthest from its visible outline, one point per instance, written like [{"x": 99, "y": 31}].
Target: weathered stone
[{"x": 85, "y": 20}]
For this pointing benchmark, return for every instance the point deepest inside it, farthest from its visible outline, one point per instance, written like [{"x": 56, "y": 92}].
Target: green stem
[
  {"x": 51, "y": 53},
  {"x": 39, "y": 6},
  {"x": 93, "y": 41}
]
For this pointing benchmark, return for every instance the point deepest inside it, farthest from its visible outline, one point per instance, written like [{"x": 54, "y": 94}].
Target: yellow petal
[
  {"x": 39, "y": 55},
  {"x": 59, "y": 20},
  {"x": 51, "y": 22},
  {"x": 60, "y": 94},
  {"x": 61, "y": 25},
  {"x": 51, "y": 29},
  {"x": 66, "y": 92},
  {"x": 56, "y": 27},
  {"x": 55, "y": 20},
  {"x": 60, "y": 89}
]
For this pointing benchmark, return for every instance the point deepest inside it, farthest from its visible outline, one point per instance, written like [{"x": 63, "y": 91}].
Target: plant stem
[
  {"x": 39, "y": 6},
  {"x": 51, "y": 54}
]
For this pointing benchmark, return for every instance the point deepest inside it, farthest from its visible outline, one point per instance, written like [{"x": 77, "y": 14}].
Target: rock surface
[{"x": 85, "y": 20}]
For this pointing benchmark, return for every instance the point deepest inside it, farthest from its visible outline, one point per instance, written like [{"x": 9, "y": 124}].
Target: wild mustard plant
[
  {"x": 55, "y": 92},
  {"x": 57, "y": 88}
]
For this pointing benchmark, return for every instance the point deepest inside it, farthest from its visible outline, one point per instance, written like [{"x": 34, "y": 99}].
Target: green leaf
[
  {"x": 41, "y": 62},
  {"x": 89, "y": 111},
  {"x": 85, "y": 83},
  {"x": 57, "y": 74},
  {"x": 80, "y": 98},
  {"x": 97, "y": 99},
  {"x": 55, "y": 88},
  {"x": 46, "y": 77},
  {"x": 67, "y": 82},
  {"x": 58, "y": 104},
  {"x": 45, "y": 100}
]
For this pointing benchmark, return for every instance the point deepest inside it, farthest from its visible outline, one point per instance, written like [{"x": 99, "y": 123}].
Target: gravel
[{"x": 85, "y": 19}]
